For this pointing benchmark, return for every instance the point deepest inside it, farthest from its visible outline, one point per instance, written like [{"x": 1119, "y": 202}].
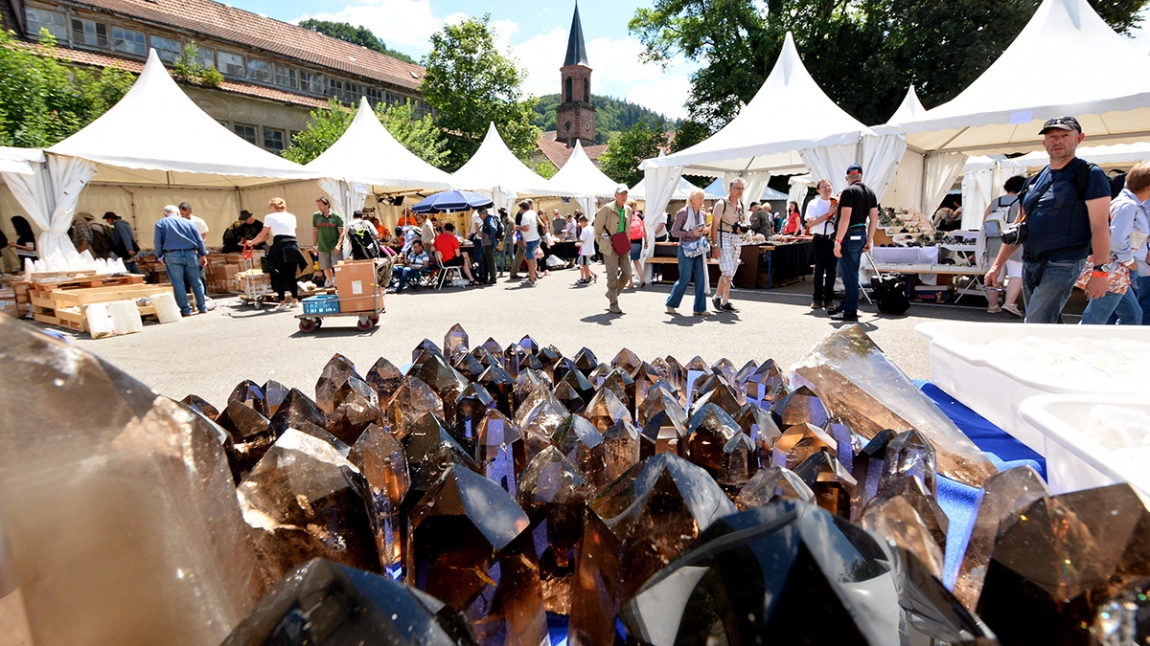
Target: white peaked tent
[
  {"x": 495, "y": 170},
  {"x": 905, "y": 188},
  {"x": 580, "y": 177},
  {"x": 790, "y": 126},
  {"x": 366, "y": 159},
  {"x": 910, "y": 108}
]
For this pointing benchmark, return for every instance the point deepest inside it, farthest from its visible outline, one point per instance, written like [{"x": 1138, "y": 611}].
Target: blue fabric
[{"x": 174, "y": 233}]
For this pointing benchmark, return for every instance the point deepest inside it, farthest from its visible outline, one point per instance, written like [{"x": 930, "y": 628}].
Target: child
[{"x": 586, "y": 246}]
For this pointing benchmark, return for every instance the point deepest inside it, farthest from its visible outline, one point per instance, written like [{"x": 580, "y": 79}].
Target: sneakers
[
  {"x": 816, "y": 304},
  {"x": 1013, "y": 309},
  {"x": 727, "y": 307},
  {"x": 671, "y": 310},
  {"x": 717, "y": 303},
  {"x": 844, "y": 316},
  {"x": 834, "y": 310},
  {"x": 282, "y": 307},
  {"x": 582, "y": 281}
]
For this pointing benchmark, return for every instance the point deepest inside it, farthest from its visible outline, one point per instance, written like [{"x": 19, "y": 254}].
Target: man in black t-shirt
[{"x": 854, "y": 231}]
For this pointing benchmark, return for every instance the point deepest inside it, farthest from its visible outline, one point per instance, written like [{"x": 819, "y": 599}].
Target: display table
[
  {"x": 760, "y": 265},
  {"x": 908, "y": 256}
]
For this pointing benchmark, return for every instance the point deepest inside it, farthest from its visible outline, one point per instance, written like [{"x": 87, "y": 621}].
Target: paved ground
[{"x": 209, "y": 354}]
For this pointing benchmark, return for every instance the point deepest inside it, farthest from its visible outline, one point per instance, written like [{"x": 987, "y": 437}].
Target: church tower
[{"x": 575, "y": 116}]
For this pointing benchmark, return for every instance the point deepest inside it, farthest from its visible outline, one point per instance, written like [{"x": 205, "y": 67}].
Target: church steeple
[{"x": 575, "y": 116}]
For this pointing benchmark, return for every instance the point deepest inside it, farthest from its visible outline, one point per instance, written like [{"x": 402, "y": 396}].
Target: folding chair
[{"x": 445, "y": 272}]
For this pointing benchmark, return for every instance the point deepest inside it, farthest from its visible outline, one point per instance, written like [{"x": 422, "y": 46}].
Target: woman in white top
[
  {"x": 284, "y": 256},
  {"x": 1000, "y": 213}
]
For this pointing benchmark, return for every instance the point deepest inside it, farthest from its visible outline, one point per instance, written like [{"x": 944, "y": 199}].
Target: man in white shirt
[
  {"x": 819, "y": 220},
  {"x": 201, "y": 225},
  {"x": 529, "y": 230}
]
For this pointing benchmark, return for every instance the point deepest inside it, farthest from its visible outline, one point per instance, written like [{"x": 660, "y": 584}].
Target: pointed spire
[{"x": 576, "y": 50}]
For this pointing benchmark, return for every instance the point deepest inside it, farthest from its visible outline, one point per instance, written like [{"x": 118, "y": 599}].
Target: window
[
  {"x": 230, "y": 64},
  {"x": 50, "y": 20},
  {"x": 259, "y": 70},
  {"x": 128, "y": 41},
  {"x": 567, "y": 85},
  {"x": 374, "y": 96},
  {"x": 205, "y": 56},
  {"x": 87, "y": 32},
  {"x": 168, "y": 50},
  {"x": 586, "y": 90},
  {"x": 274, "y": 140},
  {"x": 333, "y": 87},
  {"x": 311, "y": 82},
  {"x": 352, "y": 92},
  {"x": 247, "y": 133},
  {"x": 285, "y": 76}
]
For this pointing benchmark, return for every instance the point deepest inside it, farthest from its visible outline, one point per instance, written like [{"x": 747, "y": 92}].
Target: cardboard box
[{"x": 355, "y": 284}]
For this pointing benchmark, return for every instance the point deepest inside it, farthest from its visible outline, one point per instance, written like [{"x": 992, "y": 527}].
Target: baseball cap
[
  {"x": 621, "y": 188},
  {"x": 1061, "y": 123},
  {"x": 111, "y": 216},
  {"x": 854, "y": 168}
]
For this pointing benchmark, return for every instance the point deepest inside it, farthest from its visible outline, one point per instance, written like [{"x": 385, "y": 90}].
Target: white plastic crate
[{"x": 963, "y": 365}]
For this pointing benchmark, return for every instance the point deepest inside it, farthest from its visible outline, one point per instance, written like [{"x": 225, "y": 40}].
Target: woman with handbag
[
  {"x": 637, "y": 232},
  {"x": 694, "y": 246}
]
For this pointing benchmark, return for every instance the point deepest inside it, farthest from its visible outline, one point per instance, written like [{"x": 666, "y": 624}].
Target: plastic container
[
  {"x": 962, "y": 365},
  {"x": 322, "y": 304},
  {"x": 1074, "y": 461}
]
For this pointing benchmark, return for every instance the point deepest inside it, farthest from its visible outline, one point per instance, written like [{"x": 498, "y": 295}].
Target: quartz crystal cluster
[{"x": 482, "y": 494}]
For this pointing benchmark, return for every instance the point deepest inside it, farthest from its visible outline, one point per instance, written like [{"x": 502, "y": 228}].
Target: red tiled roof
[
  {"x": 558, "y": 153},
  {"x": 97, "y": 59},
  {"x": 219, "y": 21}
]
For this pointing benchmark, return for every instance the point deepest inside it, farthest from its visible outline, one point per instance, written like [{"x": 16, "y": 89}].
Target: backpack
[
  {"x": 1000, "y": 217},
  {"x": 364, "y": 246},
  {"x": 1081, "y": 180},
  {"x": 101, "y": 241},
  {"x": 492, "y": 228}
]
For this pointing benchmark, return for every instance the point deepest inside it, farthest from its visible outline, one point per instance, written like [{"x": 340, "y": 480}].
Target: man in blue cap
[{"x": 854, "y": 233}]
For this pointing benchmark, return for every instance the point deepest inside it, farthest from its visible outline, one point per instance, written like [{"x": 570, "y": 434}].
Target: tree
[
  {"x": 188, "y": 69},
  {"x": 689, "y": 134},
  {"x": 361, "y": 36},
  {"x": 470, "y": 85},
  {"x": 43, "y": 99},
  {"x": 328, "y": 124},
  {"x": 626, "y": 151}
]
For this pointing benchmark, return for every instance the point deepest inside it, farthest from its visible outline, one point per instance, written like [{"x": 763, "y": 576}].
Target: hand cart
[
  {"x": 253, "y": 293},
  {"x": 316, "y": 310},
  {"x": 367, "y": 319}
]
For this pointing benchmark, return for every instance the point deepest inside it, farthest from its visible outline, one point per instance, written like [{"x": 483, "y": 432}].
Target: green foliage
[
  {"x": 470, "y": 85},
  {"x": 863, "y": 53},
  {"x": 629, "y": 148},
  {"x": 544, "y": 168},
  {"x": 361, "y": 36},
  {"x": 328, "y": 124},
  {"x": 689, "y": 134},
  {"x": 612, "y": 115},
  {"x": 188, "y": 69},
  {"x": 43, "y": 99}
]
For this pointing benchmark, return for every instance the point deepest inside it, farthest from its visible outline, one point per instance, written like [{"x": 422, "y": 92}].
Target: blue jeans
[
  {"x": 406, "y": 274},
  {"x": 503, "y": 256},
  {"x": 184, "y": 268},
  {"x": 1124, "y": 306},
  {"x": 689, "y": 268},
  {"x": 1142, "y": 291},
  {"x": 1046, "y": 286},
  {"x": 477, "y": 256},
  {"x": 851, "y": 249}
]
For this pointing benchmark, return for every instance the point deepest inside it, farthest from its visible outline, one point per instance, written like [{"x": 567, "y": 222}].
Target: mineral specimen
[
  {"x": 335, "y": 373},
  {"x": 381, "y": 460}
]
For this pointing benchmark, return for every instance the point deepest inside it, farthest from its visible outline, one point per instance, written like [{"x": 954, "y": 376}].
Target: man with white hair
[
  {"x": 180, "y": 247},
  {"x": 611, "y": 220}
]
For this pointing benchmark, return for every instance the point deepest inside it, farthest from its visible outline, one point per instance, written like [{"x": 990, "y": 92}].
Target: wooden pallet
[
  {"x": 50, "y": 306},
  {"x": 85, "y": 282}
]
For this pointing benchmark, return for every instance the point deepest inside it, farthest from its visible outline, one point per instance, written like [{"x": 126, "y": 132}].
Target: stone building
[{"x": 575, "y": 115}]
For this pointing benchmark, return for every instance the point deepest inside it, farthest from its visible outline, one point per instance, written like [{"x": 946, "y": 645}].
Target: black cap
[
  {"x": 854, "y": 168},
  {"x": 1061, "y": 123},
  {"x": 245, "y": 214}
]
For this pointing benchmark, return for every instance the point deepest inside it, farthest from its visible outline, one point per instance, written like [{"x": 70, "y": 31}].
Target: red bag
[{"x": 621, "y": 243}]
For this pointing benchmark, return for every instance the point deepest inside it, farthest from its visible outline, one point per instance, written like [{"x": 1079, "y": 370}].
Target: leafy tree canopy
[
  {"x": 612, "y": 115},
  {"x": 863, "y": 53},
  {"x": 629, "y": 148},
  {"x": 327, "y": 125},
  {"x": 470, "y": 85},
  {"x": 361, "y": 36},
  {"x": 43, "y": 100}
]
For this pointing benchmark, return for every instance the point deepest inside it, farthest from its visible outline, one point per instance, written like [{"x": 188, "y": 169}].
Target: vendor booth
[{"x": 495, "y": 170}]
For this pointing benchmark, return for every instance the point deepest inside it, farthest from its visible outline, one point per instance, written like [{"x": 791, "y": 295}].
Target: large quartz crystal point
[
  {"x": 726, "y": 368},
  {"x": 468, "y": 366},
  {"x": 251, "y": 437},
  {"x": 356, "y": 407},
  {"x": 800, "y": 442},
  {"x": 328, "y": 604},
  {"x": 458, "y": 532},
  {"x": 596, "y": 585},
  {"x": 665, "y": 429},
  {"x": 304, "y": 500},
  {"x": 426, "y": 347},
  {"x": 604, "y": 409},
  {"x": 760, "y": 426},
  {"x": 833, "y": 485},
  {"x": 527, "y": 383},
  {"x": 661, "y": 397},
  {"x": 411, "y": 402},
  {"x": 863, "y": 387},
  {"x": 582, "y": 444},
  {"x": 500, "y": 451},
  {"x": 248, "y": 393},
  {"x": 320, "y": 433},
  {"x": 550, "y": 357},
  {"x": 676, "y": 374},
  {"x": 274, "y": 394},
  {"x": 740, "y": 462},
  {"x": 868, "y": 466},
  {"x": 627, "y": 360},
  {"x": 561, "y": 368},
  {"x": 195, "y": 402},
  {"x": 907, "y": 516},
  {"x": 431, "y": 450},
  {"x": 716, "y": 390},
  {"x": 773, "y": 483},
  {"x": 670, "y": 502},
  {"x": 708, "y": 431},
  {"x": 1002, "y": 496},
  {"x": 107, "y": 494},
  {"x": 444, "y": 381},
  {"x": 553, "y": 493},
  {"x": 538, "y": 418},
  {"x": 385, "y": 378},
  {"x": 569, "y": 397},
  {"x": 501, "y": 386},
  {"x": 514, "y": 359},
  {"x": 763, "y": 382},
  {"x": 1063, "y": 558},
  {"x": 529, "y": 345},
  {"x": 585, "y": 360},
  {"x": 455, "y": 342},
  {"x": 381, "y": 460},
  {"x": 334, "y": 375},
  {"x": 749, "y": 368},
  {"x": 623, "y": 385},
  {"x": 646, "y": 376},
  {"x": 791, "y": 573},
  {"x": 909, "y": 454},
  {"x": 620, "y": 448},
  {"x": 295, "y": 410},
  {"x": 470, "y": 408},
  {"x": 492, "y": 346},
  {"x": 802, "y": 406},
  {"x": 1124, "y": 619}
]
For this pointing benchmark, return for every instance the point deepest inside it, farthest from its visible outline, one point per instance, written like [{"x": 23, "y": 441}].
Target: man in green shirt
[{"x": 327, "y": 237}]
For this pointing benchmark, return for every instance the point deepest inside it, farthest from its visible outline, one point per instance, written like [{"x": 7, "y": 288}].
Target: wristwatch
[{"x": 1103, "y": 268}]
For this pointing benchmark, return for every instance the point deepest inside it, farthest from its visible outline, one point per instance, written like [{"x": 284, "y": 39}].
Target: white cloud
[
  {"x": 667, "y": 96},
  {"x": 405, "y": 25}
]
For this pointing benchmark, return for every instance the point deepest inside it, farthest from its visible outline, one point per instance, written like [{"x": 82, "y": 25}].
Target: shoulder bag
[
  {"x": 700, "y": 246},
  {"x": 620, "y": 241}
]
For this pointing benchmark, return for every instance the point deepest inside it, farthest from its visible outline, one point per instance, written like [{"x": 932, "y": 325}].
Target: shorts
[
  {"x": 636, "y": 249},
  {"x": 1014, "y": 268},
  {"x": 532, "y": 245},
  {"x": 583, "y": 261},
  {"x": 328, "y": 258},
  {"x": 454, "y": 262},
  {"x": 728, "y": 254}
]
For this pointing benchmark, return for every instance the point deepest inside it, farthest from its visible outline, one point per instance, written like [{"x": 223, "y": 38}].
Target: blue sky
[{"x": 534, "y": 31}]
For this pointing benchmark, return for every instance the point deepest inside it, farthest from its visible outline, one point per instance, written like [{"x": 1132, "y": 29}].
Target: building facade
[{"x": 575, "y": 116}]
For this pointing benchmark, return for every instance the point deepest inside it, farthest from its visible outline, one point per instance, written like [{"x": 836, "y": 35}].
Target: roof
[
  {"x": 495, "y": 168},
  {"x": 581, "y": 177},
  {"x": 558, "y": 153},
  {"x": 219, "y": 21},
  {"x": 576, "y": 49}
]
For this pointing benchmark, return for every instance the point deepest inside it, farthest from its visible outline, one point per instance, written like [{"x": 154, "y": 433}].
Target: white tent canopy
[
  {"x": 682, "y": 190},
  {"x": 495, "y": 170},
  {"x": 157, "y": 135},
  {"x": 20, "y": 161},
  {"x": 1116, "y": 155},
  {"x": 580, "y": 177},
  {"x": 910, "y": 108}
]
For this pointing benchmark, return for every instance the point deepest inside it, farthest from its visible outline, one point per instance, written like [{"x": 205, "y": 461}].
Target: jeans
[
  {"x": 503, "y": 256},
  {"x": 1142, "y": 291},
  {"x": 184, "y": 268},
  {"x": 1124, "y": 306},
  {"x": 1046, "y": 286},
  {"x": 689, "y": 268},
  {"x": 406, "y": 274},
  {"x": 477, "y": 257},
  {"x": 487, "y": 275},
  {"x": 825, "y": 261},
  {"x": 852, "y": 249}
]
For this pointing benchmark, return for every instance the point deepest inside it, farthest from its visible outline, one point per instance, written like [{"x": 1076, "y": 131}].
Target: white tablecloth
[{"x": 909, "y": 256}]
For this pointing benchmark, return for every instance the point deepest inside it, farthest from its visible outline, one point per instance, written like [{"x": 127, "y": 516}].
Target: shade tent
[
  {"x": 451, "y": 202},
  {"x": 582, "y": 179},
  {"x": 910, "y": 108},
  {"x": 495, "y": 170},
  {"x": 20, "y": 161},
  {"x": 682, "y": 191}
]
